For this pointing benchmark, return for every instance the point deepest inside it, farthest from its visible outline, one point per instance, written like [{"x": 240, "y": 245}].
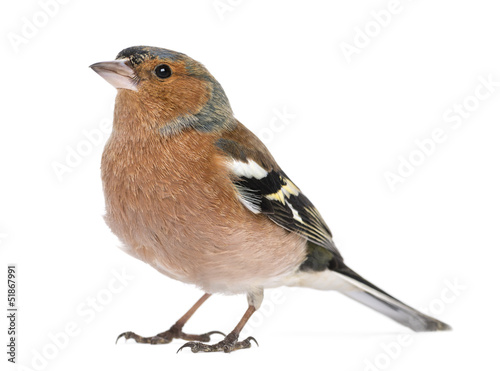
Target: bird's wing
[{"x": 264, "y": 188}]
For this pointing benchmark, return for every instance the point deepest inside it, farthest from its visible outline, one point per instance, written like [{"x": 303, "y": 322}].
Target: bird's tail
[{"x": 366, "y": 293}]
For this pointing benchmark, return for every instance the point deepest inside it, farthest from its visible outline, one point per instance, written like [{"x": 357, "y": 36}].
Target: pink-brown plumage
[{"x": 171, "y": 202}]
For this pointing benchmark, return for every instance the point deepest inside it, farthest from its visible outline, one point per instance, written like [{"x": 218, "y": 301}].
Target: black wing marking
[{"x": 276, "y": 196}]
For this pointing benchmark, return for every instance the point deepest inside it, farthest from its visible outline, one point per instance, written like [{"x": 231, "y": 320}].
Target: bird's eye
[{"x": 163, "y": 71}]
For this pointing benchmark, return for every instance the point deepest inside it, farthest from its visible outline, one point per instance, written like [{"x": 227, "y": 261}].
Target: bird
[{"x": 192, "y": 192}]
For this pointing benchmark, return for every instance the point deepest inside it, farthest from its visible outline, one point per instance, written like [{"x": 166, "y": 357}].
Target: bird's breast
[
  {"x": 172, "y": 203},
  {"x": 157, "y": 188}
]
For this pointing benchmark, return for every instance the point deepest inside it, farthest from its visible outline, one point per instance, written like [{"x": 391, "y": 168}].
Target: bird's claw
[
  {"x": 167, "y": 337},
  {"x": 145, "y": 340},
  {"x": 227, "y": 345}
]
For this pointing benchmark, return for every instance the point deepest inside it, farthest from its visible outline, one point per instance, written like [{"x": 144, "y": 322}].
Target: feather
[{"x": 264, "y": 188}]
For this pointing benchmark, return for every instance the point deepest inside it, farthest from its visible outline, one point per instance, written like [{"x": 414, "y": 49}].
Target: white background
[{"x": 353, "y": 122}]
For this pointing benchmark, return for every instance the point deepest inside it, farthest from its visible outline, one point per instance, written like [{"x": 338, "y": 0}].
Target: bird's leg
[
  {"x": 175, "y": 332},
  {"x": 230, "y": 342}
]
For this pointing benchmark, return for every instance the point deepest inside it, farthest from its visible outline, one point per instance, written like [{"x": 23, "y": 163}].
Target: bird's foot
[
  {"x": 229, "y": 344},
  {"x": 167, "y": 336}
]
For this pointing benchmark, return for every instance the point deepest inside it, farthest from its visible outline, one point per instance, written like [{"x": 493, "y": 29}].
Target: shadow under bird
[{"x": 195, "y": 194}]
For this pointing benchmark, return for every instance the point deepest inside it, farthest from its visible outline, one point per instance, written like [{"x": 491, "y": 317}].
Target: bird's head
[{"x": 169, "y": 87}]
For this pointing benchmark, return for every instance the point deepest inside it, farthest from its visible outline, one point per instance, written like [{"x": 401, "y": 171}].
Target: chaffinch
[{"x": 195, "y": 194}]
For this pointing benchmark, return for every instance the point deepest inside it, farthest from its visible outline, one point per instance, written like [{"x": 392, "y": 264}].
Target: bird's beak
[{"x": 117, "y": 73}]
